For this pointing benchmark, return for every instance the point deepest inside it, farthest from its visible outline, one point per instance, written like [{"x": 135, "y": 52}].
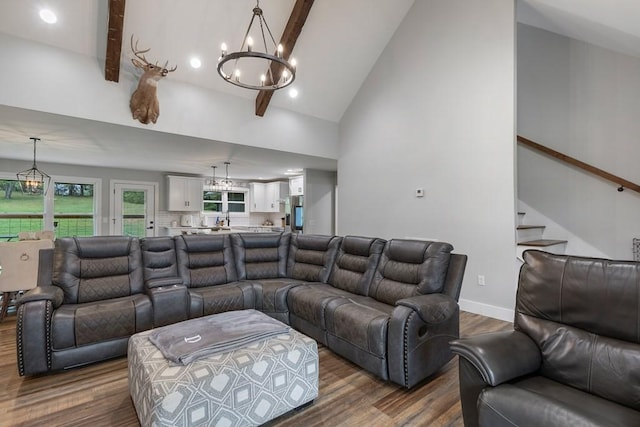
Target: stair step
[
  {"x": 530, "y": 227},
  {"x": 542, "y": 242}
]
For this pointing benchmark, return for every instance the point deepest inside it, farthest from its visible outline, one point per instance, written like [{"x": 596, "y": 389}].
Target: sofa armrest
[
  {"x": 419, "y": 332},
  {"x": 432, "y": 308},
  {"x": 162, "y": 281},
  {"x": 43, "y": 293},
  {"x": 170, "y": 304},
  {"x": 500, "y": 356}
]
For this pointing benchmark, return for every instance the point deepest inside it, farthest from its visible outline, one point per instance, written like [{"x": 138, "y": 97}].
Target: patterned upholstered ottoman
[{"x": 246, "y": 387}]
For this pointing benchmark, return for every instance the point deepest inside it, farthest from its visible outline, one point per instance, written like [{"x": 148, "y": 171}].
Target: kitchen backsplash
[{"x": 165, "y": 218}]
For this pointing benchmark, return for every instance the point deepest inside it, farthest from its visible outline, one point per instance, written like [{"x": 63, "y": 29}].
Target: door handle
[{"x": 150, "y": 228}]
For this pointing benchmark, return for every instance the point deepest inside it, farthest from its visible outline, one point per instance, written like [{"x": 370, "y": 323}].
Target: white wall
[
  {"x": 319, "y": 201},
  {"x": 44, "y": 78},
  {"x": 438, "y": 110},
  {"x": 583, "y": 101}
]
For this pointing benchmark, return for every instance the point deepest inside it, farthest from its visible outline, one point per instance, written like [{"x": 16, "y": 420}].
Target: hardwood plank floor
[{"x": 98, "y": 395}]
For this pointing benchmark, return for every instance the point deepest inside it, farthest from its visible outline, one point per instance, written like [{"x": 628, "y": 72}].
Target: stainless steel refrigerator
[{"x": 295, "y": 213}]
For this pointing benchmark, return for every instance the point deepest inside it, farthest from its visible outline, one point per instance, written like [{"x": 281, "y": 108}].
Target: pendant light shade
[
  {"x": 33, "y": 181},
  {"x": 226, "y": 184}
]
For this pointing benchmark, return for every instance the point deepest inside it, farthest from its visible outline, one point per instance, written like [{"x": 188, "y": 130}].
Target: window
[
  {"x": 69, "y": 208},
  {"x": 19, "y": 212},
  {"x": 235, "y": 202},
  {"x": 212, "y": 201},
  {"x": 73, "y": 209},
  {"x": 219, "y": 202}
]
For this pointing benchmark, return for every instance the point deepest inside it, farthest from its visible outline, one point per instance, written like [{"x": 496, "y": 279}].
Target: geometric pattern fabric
[{"x": 244, "y": 387}]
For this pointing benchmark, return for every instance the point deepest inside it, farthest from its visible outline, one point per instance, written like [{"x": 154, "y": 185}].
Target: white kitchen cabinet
[
  {"x": 184, "y": 193},
  {"x": 296, "y": 186},
  {"x": 268, "y": 197},
  {"x": 258, "y": 190}
]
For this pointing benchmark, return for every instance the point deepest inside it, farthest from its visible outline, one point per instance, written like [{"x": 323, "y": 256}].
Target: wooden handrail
[{"x": 623, "y": 183}]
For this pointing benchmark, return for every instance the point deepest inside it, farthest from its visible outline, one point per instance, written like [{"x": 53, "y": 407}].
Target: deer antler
[{"x": 137, "y": 52}]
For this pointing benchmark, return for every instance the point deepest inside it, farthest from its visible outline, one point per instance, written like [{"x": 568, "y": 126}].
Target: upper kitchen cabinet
[
  {"x": 184, "y": 193},
  {"x": 296, "y": 186},
  {"x": 268, "y": 197}
]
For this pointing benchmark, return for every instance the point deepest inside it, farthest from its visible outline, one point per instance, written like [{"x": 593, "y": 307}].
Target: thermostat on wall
[{"x": 419, "y": 192}]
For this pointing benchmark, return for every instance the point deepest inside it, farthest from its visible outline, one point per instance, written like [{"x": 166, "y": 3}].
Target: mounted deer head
[{"x": 144, "y": 103}]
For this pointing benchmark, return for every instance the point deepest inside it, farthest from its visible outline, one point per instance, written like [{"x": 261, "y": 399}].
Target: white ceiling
[{"x": 339, "y": 44}]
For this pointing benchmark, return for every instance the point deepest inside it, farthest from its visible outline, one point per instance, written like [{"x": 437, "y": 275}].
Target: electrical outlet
[{"x": 481, "y": 281}]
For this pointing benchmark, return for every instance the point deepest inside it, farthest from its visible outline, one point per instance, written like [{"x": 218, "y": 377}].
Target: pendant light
[
  {"x": 33, "y": 181},
  {"x": 226, "y": 184}
]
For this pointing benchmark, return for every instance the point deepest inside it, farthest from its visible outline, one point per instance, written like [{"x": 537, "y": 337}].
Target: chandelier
[
  {"x": 33, "y": 181},
  {"x": 280, "y": 72}
]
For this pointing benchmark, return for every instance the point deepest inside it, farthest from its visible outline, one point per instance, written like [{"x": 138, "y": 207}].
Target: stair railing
[{"x": 623, "y": 183}]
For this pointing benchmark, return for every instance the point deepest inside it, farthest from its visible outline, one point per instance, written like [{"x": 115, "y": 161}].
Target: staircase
[{"x": 532, "y": 237}]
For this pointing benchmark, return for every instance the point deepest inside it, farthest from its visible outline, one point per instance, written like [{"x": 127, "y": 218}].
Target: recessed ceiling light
[
  {"x": 48, "y": 16},
  {"x": 195, "y": 62},
  {"x": 293, "y": 92}
]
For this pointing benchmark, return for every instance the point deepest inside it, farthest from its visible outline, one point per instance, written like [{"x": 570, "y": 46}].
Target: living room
[{"x": 437, "y": 111}]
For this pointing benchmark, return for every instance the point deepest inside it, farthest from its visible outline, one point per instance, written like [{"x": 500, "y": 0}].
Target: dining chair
[{"x": 18, "y": 268}]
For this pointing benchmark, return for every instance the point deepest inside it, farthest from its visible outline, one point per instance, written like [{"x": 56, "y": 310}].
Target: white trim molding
[{"x": 506, "y": 314}]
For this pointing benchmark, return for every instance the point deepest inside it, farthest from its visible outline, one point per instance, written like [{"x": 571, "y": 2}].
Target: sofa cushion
[
  {"x": 361, "y": 322},
  {"x": 311, "y": 257},
  {"x": 539, "y": 401},
  {"x": 271, "y": 295},
  {"x": 159, "y": 258},
  {"x": 221, "y": 298},
  {"x": 97, "y": 268},
  {"x": 261, "y": 255},
  {"x": 586, "y": 308},
  {"x": 205, "y": 260},
  {"x": 309, "y": 301},
  {"x": 408, "y": 268},
  {"x": 75, "y": 325},
  {"x": 356, "y": 264}
]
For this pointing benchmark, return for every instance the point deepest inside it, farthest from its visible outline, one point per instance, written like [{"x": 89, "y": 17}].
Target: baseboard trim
[{"x": 487, "y": 310}]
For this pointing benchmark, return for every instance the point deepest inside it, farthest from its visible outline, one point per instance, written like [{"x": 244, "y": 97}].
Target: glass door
[{"x": 133, "y": 209}]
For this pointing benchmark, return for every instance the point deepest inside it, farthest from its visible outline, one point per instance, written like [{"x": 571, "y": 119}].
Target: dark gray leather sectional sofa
[
  {"x": 574, "y": 356},
  {"x": 388, "y": 306}
]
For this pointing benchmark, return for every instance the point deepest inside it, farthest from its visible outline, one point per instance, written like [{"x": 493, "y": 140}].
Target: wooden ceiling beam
[
  {"x": 289, "y": 37},
  {"x": 114, "y": 40}
]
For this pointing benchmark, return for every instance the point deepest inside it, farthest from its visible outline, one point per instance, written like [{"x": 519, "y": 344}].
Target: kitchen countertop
[{"x": 176, "y": 231}]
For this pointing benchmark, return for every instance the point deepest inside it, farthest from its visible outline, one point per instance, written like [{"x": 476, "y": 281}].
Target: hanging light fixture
[
  {"x": 33, "y": 181},
  {"x": 214, "y": 183},
  {"x": 226, "y": 184},
  {"x": 279, "y": 71}
]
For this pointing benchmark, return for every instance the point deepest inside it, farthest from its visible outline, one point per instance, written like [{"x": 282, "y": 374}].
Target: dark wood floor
[{"x": 98, "y": 395}]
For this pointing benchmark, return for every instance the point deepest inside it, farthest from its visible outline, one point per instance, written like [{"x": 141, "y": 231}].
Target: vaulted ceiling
[{"x": 337, "y": 47}]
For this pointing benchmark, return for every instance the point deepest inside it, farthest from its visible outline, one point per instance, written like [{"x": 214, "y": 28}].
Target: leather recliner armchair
[
  {"x": 93, "y": 303},
  {"x": 574, "y": 356}
]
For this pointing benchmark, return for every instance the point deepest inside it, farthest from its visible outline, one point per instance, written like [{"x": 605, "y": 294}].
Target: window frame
[
  {"x": 48, "y": 200},
  {"x": 225, "y": 203}
]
